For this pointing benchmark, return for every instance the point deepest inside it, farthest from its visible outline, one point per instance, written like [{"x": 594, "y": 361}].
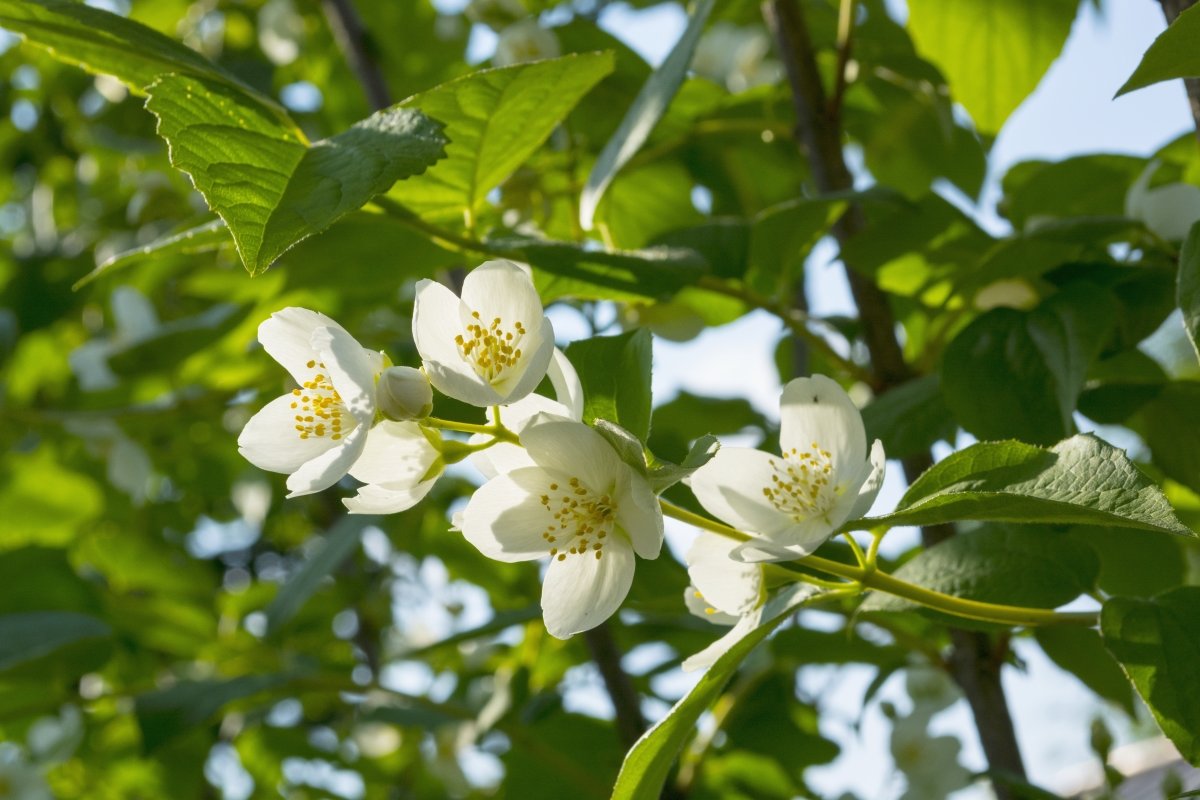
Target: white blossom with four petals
[
  {"x": 317, "y": 431},
  {"x": 581, "y": 506},
  {"x": 492, "y": 346},
  {"x": 792, "y": 504}
]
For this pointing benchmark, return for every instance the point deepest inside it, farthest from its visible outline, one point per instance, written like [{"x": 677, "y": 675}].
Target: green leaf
[
  {"x": 782, "y": 237},
  {"x": 564, "y": 269},
  {"x": 30, "y": 636},
  {"x": 1168, "y": 424},
  {"x": 1172, "y": 55},
  {"x": 1082, "y": 186},
  {"x": 1026, "y": 565},
  {"x": 1189, "y": 282},
  {"x": 909, "y": 418},
  {"x": 1081, "y": 652},
  {"x": 1017, "y": 374},
  {"x": 1157, "y": 643},
  {"x": 664, "y": 475},
  {"x": 193, "y": 241},
  {"x": 649, "y": 760},
  {"x": 1081, "y": 480},
  {"x": 645, "y": 112},
  {"x": 335, "y": 548},
  {"x": 495, "y": 120},
  {"x": 628, "y": 448},
  {"x": 993, "y": 54},
  {"x": 272, "y": 188},
  {"x": 164, "y": 714},
  {"x": 102, "y": 42},
  {"x": 1135, "y": 566},
  {"x": 615, "y": 373}
]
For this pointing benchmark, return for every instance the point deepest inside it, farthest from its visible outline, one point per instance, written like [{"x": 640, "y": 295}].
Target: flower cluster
[{"x": 557, "y": 489}]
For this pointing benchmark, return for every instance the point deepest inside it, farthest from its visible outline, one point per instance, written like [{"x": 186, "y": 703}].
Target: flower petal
[
  {"x": 699, "y": 607},
  {"x": 817, "y": 410},
  {"x": 865, "y": 498},
  {"x": 582, "y": 591},
  {"x": 436, "y": 321},
  {"x": 730, "y": 487},
  {"x": 386, "y": 498},
  {"x": 502, "y": 289},
  {"x": 395, "y": 453},
  {"x": 287, "y": 337},
  {"x": 537, "y": 348},
  {"x": 575, "y": 450},
  {"x": 708, "y": 656},
  {"x": 505, "y": 518},
  {"x": 639, "y": 514},
  {"x": 350, "y": 370},
  {"x": 727, "y": 585},
  {"x": 270, "y": 441},
  {"x": 498, "y": 459},
  {"x": 568, "y": 389},
  {"x": 329, "y": 467}
]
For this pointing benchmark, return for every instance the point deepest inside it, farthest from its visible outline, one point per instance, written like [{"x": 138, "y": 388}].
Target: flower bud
[{"x": 404, "y": 393}]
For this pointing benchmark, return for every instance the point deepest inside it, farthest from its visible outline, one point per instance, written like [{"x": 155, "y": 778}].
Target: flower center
[
  {"x": 801, "y": 487},
  {"x": 318, "y": 407},
  {"x": 580, "y": 521},
  {"x": 491, "y": 349}
]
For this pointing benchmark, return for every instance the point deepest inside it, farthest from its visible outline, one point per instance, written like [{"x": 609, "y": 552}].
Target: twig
[
  {"x": 845, "y": 47},
  {"x": 607, "y": 655},
  {"x": 352, "y": 40},
  {"x": 974, "y": 662}
]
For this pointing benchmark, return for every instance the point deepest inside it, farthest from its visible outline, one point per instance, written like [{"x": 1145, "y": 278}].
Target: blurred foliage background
[{"x": 196, "y": 636}]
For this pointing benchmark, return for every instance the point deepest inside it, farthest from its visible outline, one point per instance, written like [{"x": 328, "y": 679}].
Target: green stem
[
  {"x": 858, "y": 551},
  {"x": 871, "y": 578},
  {"x": 496, "y": 431}
]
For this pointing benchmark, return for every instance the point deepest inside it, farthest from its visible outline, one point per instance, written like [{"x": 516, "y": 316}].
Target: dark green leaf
[
  {"x": 909, "y": 418},
  {"x": 1081, "y": 480},
  {"x": 615, "y": 372},
  {"x": 1168, "y": 424},
  {"x": 1082, "y": 186},
  {"x": 1017, "y": 374},
  {"x": 1029, "y": 565},
  {"x": 1172, "y": 55},
  {"x": 562, "y": 269},
  {"x": 495, "y": 119},
  {"x": 648, "y": 762},
  {"x": 336, "y": 547},
  {"x": 29, "y": 636},
  {"x": 647, "y": 109},
  {"x": 164, "y": 714},
  {"x": 1081, "y": 652},
  {"x": 991, "y": 74},
  {"x": 1158, "y": 644},
  {"x": 1135, "y": 566},
  {"x": 269, "y": 185},
  {"x": 1189, "y": 282}
]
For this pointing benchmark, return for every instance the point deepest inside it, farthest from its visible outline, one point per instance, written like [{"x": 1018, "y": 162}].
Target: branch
[
  {"x": 603, "y": 648},
  {"x": 1172, "y": 9},
  {"x": 974, "y": 662},
  {"x": 352, "y": 40}
]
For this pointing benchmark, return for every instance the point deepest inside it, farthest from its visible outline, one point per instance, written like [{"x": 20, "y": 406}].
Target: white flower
[
  {"x": 400, "y": 463},
  {"x": 1169, "y": 211},
  {"x": 493, "y": 346},
  {"x": 794, "y": 503},
  {"x": 505, "y": 457},
  {"x": 525, "y": 41},
  {"x": 315, "y": 432},
  {"x": 580, "y": 505},
  {"x": 404, "y": 393},
  {"x": 724, "y": 592}
]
